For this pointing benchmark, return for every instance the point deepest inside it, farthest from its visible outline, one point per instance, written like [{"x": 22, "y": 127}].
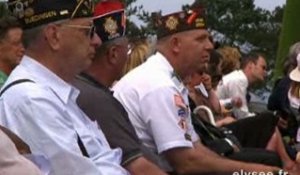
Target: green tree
[
  {"x": 242, "y": 22},
  {"x": 239, "y": 21},
  {"x": 289, "y": 34}
]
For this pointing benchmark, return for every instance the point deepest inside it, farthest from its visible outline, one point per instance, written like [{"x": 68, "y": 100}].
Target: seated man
[
  {"x": 235, "y": 84},
  {"x": 156, "y": 99},
  {"x": 96, "y": 99},
  {"x": 38, "y": 102}
]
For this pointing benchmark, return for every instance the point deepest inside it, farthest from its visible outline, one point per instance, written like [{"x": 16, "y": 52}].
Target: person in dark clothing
[
  {"x": 97, "y": 101},
  {"x": 288, "y": 122}
]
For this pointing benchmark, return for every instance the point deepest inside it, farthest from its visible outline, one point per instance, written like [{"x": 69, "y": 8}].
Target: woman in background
[{"x": 138, "y": 53}]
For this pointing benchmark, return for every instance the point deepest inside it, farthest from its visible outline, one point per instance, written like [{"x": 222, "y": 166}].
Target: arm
[
  {"x": 142, "y": 166},
  {"x": 238, "y": 88},
  {"x": 44, "y": 125},
  {"x": 213, "y": 99},
  {"x": 202, "y": 160}
]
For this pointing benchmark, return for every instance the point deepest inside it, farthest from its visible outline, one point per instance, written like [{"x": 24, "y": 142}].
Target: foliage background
[{"x": 232, "y": 22}]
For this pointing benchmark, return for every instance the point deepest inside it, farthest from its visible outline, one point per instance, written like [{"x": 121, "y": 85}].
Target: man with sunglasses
[
  {"x": 235, "y": 84},
  {"x": 96, "y": 99},
  {"x": 39, "y": 104}
]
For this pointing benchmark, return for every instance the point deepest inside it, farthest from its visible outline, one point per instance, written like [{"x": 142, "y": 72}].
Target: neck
[
  {"x": 249, "y": 77},
  {"x": 4, "y": 68},
  {"x": 52, "y": 62},
  {"x": 173, "y": 61},
  {"x": 101, "y": 75}
]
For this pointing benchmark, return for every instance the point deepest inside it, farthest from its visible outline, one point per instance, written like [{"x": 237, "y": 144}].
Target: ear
[
  {"x": 175, "y": 43},
  {"x": 52, "y": 36},
  {"x": 113, "y": 55}
]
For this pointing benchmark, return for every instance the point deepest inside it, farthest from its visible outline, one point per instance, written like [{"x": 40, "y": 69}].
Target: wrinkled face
[
  {"x": 11, "y": 48},
  {"x": 259, "y": 70},
  {"x": 195, "y": 50},
  {"x": 78, "y": 43}
]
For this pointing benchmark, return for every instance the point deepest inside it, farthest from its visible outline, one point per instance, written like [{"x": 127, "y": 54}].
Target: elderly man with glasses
[{"x": 39, "y": 104}]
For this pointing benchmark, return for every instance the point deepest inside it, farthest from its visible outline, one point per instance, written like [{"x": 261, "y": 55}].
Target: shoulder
[
  {"x": 26, "y": 94},
  {"x": 87, "y": 90},
  {"x": 235, "y": 77}
]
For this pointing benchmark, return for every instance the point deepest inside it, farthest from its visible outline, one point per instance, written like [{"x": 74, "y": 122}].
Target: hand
[
  {"x": 224, "y": 121},
  {"x": 206, "y": 80},
  {"x": 293, "y": 169},
  {"x": 237, "y": 102}
]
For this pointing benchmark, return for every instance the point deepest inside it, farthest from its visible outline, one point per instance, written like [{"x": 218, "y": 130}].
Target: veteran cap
[
  {"x": 188, "y": 19},
  {"x": 109, "y": 19},
  {"x": 33, "y": 13}
]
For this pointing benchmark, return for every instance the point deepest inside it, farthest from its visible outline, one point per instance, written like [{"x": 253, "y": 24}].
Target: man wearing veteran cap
[
  {"x": 96, "y": 99},
  {"x": 157, "y": 101},
  {"x": 39, "y": 104}
]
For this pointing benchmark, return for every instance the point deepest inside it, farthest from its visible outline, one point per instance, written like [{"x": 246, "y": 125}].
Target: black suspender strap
[
  {"x": 14, "y": 83},
  {"x": 79, "y": 141},
  {"x": 82, "y": 147}
]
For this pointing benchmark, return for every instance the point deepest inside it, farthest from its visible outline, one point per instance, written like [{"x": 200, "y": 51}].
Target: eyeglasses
[{"x": 91, "y": 30}]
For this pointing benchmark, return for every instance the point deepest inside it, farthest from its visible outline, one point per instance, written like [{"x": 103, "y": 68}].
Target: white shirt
[
  {"x": 45, "y": 115},
  {"x": 235, "y": 84},
  {"x": 157, "y": 105}
]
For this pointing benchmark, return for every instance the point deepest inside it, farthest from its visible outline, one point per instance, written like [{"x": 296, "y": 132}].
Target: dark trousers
[{"x": 256, "y": 155}]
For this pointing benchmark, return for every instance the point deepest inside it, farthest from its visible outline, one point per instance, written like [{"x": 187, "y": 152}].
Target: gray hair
[{"x": 31, "y": 35}]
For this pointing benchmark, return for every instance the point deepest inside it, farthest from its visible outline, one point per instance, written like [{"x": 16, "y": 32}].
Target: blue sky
[{"x": 175, "y": 5}]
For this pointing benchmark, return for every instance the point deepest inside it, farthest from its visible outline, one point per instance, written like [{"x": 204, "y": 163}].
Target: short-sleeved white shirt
[
  {"x": 235, "y": 84},
  {"x": 45, "y": 115},
  {"x": 157, "y": 105}
]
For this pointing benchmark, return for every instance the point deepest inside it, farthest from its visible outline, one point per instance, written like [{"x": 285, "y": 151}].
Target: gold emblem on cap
[
  {"x": 29, "y": 12},
  {"x": 172, "y": 23},
  {"x": 110, "y": 26},
  {"x": 199, "y": 23}
]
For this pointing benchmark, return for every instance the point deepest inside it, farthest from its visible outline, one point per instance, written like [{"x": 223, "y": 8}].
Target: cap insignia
[
  {"x": 110, "y": 26},
  {"x": 172, "y": 23}
]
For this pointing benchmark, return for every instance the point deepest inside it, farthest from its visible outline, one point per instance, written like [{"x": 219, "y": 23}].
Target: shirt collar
[
  {"x": 168, "y": 67},
  {"x": 43, "y": 75},
  {"x": 90, "y": 80}
]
